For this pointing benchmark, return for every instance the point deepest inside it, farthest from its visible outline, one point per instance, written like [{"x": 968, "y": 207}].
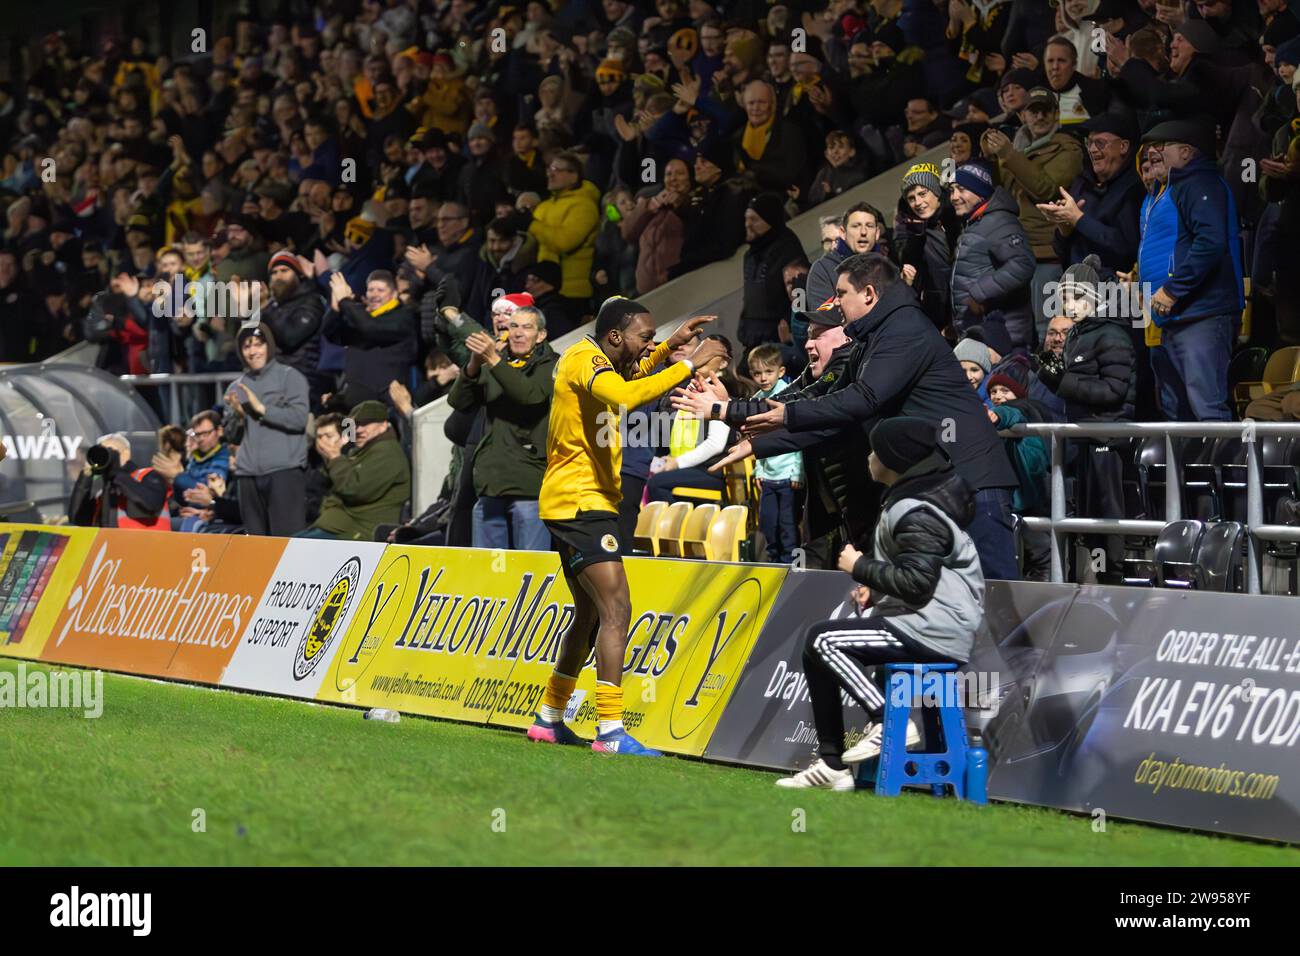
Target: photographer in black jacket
[{"x": 129, "y": 496}]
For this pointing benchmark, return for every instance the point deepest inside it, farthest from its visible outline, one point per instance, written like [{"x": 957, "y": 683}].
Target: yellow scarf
[
  {"x": 754, "y": 140},
  {"x": 388, "y": 306}
]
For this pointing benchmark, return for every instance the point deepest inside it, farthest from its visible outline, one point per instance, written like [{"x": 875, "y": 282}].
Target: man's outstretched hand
[
  {"x": 737, "y": 452},
  {"x": 768, "y": 421}
]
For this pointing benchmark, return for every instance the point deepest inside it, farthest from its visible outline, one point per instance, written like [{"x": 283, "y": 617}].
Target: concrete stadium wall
[{"x": 712, "y": 290}]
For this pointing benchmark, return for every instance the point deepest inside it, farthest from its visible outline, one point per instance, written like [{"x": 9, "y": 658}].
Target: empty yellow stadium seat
[
  {"x": 695, "y": 533},
  {"x": 647, "y": 520},
  {"x": 726, "y": 532},
  {"x": 668, "y": 532},
  {"x": 1283, "y": 368},
  {"x": 738, "y": 477}
]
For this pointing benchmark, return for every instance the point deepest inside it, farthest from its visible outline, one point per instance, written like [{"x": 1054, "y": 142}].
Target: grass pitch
[{"x": 286, "y": 782}]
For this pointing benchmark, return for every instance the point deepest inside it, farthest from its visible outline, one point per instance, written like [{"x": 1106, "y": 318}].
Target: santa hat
[{"x": 508, "y": 303}]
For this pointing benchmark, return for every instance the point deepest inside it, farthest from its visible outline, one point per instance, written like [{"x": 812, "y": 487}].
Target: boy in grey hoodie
[
  {"x": 266, "y": 417},
  {"x": 926, "y": 595}
]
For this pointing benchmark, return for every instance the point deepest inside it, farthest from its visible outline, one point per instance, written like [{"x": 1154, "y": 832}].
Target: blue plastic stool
[{"x": 917, "y": 684}]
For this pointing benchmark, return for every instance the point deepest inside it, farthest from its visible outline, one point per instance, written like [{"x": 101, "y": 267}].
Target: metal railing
[
  {"x": 161, "y": 379},
  {"x": 1058, "y": 525}
]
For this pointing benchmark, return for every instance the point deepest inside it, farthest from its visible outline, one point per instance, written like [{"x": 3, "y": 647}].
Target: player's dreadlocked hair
[{"x": 616, "y": 313}]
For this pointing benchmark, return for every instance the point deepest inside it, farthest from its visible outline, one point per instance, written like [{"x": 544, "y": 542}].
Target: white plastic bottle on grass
[{"x": 384, "y": 714}]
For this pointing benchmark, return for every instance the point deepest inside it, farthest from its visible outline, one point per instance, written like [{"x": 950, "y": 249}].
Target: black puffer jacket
[
  {"x": 922, "y": 539},
  {"x": 296, "y": 325},
  {"x": 901, "y": 365},
  {"x": 1096, "y": 374},
  {"x": 927, "y": 245},
  {"x": 993, "y": 264},
  {"x": 924, "y": 571},
  {"x": 764, "y": 302},
  {"x": 841, "y": 493}
]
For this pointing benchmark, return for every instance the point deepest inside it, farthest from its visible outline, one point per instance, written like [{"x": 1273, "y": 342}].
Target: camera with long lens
[{"x": 100, "y": 458}]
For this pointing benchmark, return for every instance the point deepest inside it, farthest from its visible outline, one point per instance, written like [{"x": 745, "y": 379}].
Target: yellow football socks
[
  {"x": 559, "y": 688},
  {"x": 609, "y": 706}
]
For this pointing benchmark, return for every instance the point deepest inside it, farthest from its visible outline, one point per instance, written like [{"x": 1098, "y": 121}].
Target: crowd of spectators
[{"x": 400, "y": 199}]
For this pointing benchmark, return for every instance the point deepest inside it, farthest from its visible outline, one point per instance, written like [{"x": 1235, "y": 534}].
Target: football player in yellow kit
[{"x": 609, "y": 371}]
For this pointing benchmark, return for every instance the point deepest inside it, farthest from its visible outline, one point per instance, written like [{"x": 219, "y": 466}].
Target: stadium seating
[
  {"x": 647, "y": 521},
  {"x": 695, "y": 533},
  {"x": 1218, "y": 562},
  {"x": 668, "y": 529},
  {"x": 1150, "y": 464},
  {"x": 1278, "y": 474},
  {"x": 1175, "y": 555},
  {"x": 726, "y": 533},
  {"x": 682, "y": 530},
  {"x": 1283, "y": 368},
  {"x": 1246, "y": 366}
]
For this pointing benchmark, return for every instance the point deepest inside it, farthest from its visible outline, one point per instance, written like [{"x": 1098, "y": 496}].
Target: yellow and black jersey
[{"x": 583, "y": 447}]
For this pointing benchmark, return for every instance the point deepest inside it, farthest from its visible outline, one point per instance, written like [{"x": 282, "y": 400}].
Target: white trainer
[
  {"x": 869, "y": 746},
  {"x": 819, "y": 777}
]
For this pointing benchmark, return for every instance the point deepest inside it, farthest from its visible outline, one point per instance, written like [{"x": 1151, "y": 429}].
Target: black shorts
[{"x": 586, "y": 539}]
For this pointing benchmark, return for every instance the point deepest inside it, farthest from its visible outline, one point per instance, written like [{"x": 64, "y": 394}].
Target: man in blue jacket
[{"x": 1198, "y": 307}]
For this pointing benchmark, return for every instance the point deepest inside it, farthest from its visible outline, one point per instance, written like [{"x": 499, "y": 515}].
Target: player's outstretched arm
[
  {"x": 684, "y": 334},
  {"x": 614, "y": 390}
]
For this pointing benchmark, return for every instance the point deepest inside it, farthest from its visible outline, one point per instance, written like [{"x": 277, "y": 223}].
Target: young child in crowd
[{"x": 780, "y": 476}]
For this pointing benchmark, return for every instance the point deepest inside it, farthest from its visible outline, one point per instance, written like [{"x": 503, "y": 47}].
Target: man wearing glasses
[
  {"x": 456, "y": 255},
  {"x": 208, "y": 454},
  {"x": 513, "y": 381},
  {"x": 1098, "y": 213},
  {"x": 566, "y": 224}
]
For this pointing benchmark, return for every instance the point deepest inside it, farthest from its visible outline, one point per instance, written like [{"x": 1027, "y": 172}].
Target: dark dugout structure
[{"x": 49, "y": 415}]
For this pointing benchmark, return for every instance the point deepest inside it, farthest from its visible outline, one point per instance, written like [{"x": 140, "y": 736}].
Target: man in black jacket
[
  {"x": 131, "y": 496},
  {"x": 1099, "y": 212},
  {"x": 715, "y": 218},
  {"x": 1096, "y": 375},
  {"x": 772, "y": 247},
  {"x": 842, "y": 500},
  {"x": 769, "y": 146},
  {"x": 380, "y": 336},
  {"x": 294, "y": 317},
  {"x": 903, "y": 366}
]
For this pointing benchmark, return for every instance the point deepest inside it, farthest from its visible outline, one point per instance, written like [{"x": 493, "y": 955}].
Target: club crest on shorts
[{"x": 609, "y": 543}]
